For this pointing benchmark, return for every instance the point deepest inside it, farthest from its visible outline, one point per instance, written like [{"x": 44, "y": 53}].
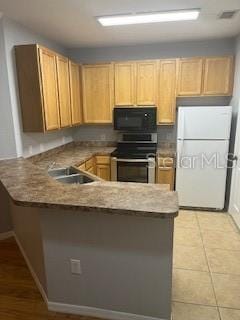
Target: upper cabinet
[
  {"x": 97, "y": 93},
  {"x": 64, "y": 91},
  {"x": 146, "y": 82},
  {"x": 210, "y": 76},
  {"x": 167, "y": 92},
  {"x": 135, "y": 83},
  {"x": 49, "y": 88},
  {"x": 218, "y": 76},
  {"x": 47, "y": 96},
  {"x": 124, "y": 83},
  {"x": 57, "y": 93},
  {"x": 75, "y": 93},
  {"x": 190, "y": 77}
]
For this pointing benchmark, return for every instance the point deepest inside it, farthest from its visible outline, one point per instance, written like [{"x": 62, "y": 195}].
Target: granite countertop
[{"x": 28, "y": 184}]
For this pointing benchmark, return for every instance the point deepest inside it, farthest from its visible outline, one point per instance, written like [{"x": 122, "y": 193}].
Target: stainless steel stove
[{"x": 134, "y": 160}]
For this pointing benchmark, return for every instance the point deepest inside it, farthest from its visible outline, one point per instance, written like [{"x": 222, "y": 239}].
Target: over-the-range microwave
[{"x": 136, "y": 119}]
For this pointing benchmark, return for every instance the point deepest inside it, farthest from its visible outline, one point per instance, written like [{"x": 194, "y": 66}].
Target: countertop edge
[{"x": 102, "y": 210}]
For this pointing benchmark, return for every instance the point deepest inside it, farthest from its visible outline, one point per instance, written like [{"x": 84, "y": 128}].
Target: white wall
[
  {"x": 27, "y": 143},
  {"x": 235, "y": 102},
  {"x": 155, "y": 51},
  {"x": 236, "y": 90},
  {"x": 7, "y": 138}
]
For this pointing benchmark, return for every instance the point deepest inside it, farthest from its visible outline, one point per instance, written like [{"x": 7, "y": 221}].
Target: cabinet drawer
[
  {"x": 102, "y": 160},
  {"x": 89, "y": 163}
]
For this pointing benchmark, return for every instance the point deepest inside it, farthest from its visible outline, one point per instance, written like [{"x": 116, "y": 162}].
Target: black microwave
[{"x": 135, "y": 119}]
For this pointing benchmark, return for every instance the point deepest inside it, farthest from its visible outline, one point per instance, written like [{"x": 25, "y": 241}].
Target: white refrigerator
[{"x": 202, "y": 151}]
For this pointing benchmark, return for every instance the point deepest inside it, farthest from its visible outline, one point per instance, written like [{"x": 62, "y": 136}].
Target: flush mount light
[{"x": 119, "y": 20}]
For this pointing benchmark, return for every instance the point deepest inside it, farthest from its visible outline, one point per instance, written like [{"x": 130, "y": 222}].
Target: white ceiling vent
[{"x": 228, "y": 14}]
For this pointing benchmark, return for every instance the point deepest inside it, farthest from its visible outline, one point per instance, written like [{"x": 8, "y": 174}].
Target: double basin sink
[{"x": 69, "y": 175}]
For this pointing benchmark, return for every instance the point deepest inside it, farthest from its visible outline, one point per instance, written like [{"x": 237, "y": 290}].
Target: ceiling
[{"x": 72, "y": 23}]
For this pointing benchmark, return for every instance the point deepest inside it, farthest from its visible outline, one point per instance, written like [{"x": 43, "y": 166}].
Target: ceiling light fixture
[{"x": 119, "y": 20}]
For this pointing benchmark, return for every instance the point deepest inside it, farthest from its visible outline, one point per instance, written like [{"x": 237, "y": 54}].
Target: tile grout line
[{"x": 208, "y": 266}]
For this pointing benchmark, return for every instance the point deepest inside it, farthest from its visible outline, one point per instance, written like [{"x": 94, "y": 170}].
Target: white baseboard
[
  {"x": 96, "y": 312},
  {"x": 6, "y": 235},
  {"x": 35, "y": 278}
]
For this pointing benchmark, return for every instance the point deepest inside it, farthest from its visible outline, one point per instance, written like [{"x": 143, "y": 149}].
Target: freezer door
[
  {"x": 204, "y": 122},
  {"x": 201, "y": 173}
]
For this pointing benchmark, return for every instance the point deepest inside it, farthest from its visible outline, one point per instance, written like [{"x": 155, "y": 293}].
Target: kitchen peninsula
[{"x": 103, "y": 248}]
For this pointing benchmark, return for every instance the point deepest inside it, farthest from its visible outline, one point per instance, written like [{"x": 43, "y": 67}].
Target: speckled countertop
[{"x": 28, "y": 184}]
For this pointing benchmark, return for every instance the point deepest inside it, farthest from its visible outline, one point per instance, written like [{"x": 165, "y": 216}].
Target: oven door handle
[{"x": 135, "y": 160}]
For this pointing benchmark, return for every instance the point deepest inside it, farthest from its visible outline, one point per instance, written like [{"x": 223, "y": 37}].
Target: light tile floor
[{"x": 206, "y": 267}]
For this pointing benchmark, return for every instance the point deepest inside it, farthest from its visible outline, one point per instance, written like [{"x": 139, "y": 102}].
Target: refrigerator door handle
[
  {"x": 179, "y": 155},
  {"x": 181, "y": 125}
]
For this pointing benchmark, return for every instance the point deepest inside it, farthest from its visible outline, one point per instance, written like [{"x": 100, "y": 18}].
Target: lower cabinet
[
  {"x": 98, "y": 165},
  {"x": 165, "y": 172},
  {"x": 103, "y": 171},
  {"x": 103, "y": 167}
]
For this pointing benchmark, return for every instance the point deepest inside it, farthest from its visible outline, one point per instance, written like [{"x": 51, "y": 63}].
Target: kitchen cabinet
[
  {"x": 64, "y": 91},
  {"x": 90, "y": 165},
  {"x": 98, "y": 93},
  {"x": 57, "y": 93},
  {"x": 76, "y": 93},
  {"x": 103, "y": 167},
  {"x": 98, "y": 165},
  {"x": 48, "y": 72},
  {"x": 124, "y": 83},
  {"x": 218, "y": 76},
  {"x": 103, "y": 171},
  {"x": 146, "y": 82},
  {"x": 82, "y": 166},
  {"x": 49, "y": 89},
  {"x": 38, "y": 88},
  {"x": 167, "y": 92},
  {"x": 165, "y": 172},
  {"x": 190, "y": 71}
]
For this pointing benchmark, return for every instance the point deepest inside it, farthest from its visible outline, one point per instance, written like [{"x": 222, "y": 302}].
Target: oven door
[{"x": 133, "y": 170}]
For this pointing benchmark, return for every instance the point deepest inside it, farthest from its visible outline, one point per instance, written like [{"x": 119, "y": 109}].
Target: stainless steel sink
[
  {"x": 62, "y": 172},
  {"x": 75, "y": 178},
  {"x": 70, "y": 175}
]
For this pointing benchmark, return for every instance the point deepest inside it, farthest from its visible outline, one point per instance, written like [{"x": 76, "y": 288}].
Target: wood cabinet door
[
  {"x": 124, "y": 83},
  {"x": 103, "y": 171},
  {"x": 167, "y": 92},
  {"x": 64, "y": 91},
  {"x": 190, "y": 77},
  {"x": 166, "y": 176},
  {"x": 218, "y": 76},
  {"x": 147, "y": 83},
  {"x": 98, "y": 93},
  {"x": 76, "y": 93},
  {"x": 91, "y": 170},
  {"x": 166, "y": 172},
  {"x": 49, "y": 88}
]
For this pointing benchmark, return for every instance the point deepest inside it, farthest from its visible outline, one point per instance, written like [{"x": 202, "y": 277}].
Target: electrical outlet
[{"x": 75, "y": 266}]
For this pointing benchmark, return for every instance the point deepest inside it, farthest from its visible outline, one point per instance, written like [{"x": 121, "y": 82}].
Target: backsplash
[
  {"x": 165, "y": 133},
  {"x": 107, "y": 133}
]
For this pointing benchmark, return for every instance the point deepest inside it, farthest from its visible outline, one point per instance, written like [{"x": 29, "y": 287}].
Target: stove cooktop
[{"x": 133, "y": 154}]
